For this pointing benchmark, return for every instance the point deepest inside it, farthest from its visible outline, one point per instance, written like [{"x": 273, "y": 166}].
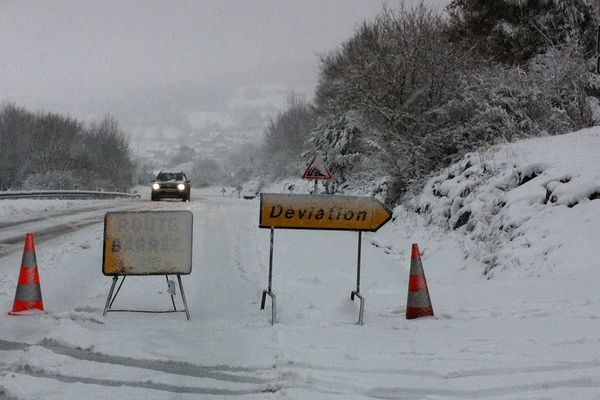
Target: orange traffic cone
[
  {"x": 29, "y": 295},
  {"x": 418, "y": 303}
]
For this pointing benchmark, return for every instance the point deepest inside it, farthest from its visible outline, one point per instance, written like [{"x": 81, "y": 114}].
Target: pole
[
  {"x": 172, "y": 298},
  {"x": 110, "y": 292},
  {"x": 316, "y": 187},
  {"x": 358, "y": 262},
  {"x": 356, "y": 293},
  {"x": 269, "y": 290},
  {"x": 187, "y": 311},
  {"x": 118, "y": 290},
  {"x": 271, "y": 260}
]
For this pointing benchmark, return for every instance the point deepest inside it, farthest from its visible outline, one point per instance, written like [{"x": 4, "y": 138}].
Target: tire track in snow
[
  {"x": 302, "y": 375},
  {"x": 5, "y": 345},
  {"x": 221, "y": 373},
  {"x": 217, "y": 372},
  {"x": 235, "y": 374},
  {"x": 29, "y": 370},
  {"x": 502, "y": 371},
  {"x": 405, "y": 393}
]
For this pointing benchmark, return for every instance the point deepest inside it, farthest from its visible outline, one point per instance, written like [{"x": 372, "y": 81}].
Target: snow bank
[
  {"x": 524, "y": 208},
  {"x": 20, "y": 209}
]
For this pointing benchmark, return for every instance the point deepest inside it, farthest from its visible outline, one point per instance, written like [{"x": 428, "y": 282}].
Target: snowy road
[
  {"x": 513, "y": 338},
  {"x": 50, "y": 224}
]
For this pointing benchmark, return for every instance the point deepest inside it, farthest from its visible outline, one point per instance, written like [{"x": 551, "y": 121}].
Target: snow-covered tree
[
  {"x": 53, "y": 142},
  {"x": 350, "y": 151},
  {"x": 390, "y": 70},
  {"x": 16, "y": 125},
  {"x": 285, "y": 138},
  {"x": 50, "y": 150},
  {"x": 514, "y": 31},
  {"x": 207, "y": 172},
  {"x": 107, "y": 156},
  {"x": 390, "y": 74},
  {"x": 52, "y": 180}
]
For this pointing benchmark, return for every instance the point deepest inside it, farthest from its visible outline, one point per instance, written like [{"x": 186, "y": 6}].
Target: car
[{"x": 172, "y": 185}]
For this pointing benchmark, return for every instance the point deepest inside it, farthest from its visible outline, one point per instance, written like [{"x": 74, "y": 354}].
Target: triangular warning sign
[{"x": 317, "y": 169}]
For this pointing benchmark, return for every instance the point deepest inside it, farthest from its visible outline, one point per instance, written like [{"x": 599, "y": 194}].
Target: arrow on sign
[{"x": 299, "y": 211}]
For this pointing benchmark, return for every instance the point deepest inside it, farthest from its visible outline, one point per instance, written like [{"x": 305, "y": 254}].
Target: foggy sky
[{"x": 89, "y": 58}]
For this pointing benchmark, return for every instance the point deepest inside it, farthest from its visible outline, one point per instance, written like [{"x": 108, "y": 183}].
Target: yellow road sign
[
  {"x": 147, "y": 243},
  {"x": 299, "y": 211}
]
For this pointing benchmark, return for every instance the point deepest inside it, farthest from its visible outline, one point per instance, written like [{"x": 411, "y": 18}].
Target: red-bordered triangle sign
[{"x": 317, "y": 169}]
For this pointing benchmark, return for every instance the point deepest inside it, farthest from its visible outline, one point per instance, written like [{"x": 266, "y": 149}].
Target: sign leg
[
  {"x": 269, "y": 290},
  {"x": 273, "y": 304},
  {"x": 262, "y": 301},
  {"x": 110, "y": 292},
  {"x": 356, "y": 293},
  {"x": 172, "y": 298},
  {"x": 361, "y": 309},
  {"x": 271, "y": 260},
  {"x": 118, "y": 290},
  {"x": 273, "y": 308},
  {"x": 187, "y": 311}
]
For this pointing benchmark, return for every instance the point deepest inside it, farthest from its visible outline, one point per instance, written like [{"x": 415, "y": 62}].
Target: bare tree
[
  {"x": 286, "y": 135},
  {"x": 108, "y": 155},
  {"x": 16, "y": 125}
]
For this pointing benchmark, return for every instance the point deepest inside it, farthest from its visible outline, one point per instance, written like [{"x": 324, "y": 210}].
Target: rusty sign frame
[{"x": 166, "y": 272}]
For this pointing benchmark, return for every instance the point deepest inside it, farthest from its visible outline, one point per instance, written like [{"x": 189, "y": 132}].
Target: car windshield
[{"x": 170, "y": 176}]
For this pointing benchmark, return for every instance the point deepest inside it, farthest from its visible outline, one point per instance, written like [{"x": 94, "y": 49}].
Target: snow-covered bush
[
  {"x": 50, "y": 180},
  {"x": 352, "y": 159},
  {"x": 505, "y": 199},
  {"x": 33, "y": 144}
]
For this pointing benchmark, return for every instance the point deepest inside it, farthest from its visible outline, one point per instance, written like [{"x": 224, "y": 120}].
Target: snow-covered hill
[{"x": 523, "y": 208}]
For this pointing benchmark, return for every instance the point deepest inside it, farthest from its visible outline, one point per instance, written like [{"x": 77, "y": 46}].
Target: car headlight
[
  {"x": 181, "y": 187},
  {"x": 155, "y": 186}
]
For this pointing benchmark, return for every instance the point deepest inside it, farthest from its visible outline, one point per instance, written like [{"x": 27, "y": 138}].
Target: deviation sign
[{"x": 299, "y": 211}]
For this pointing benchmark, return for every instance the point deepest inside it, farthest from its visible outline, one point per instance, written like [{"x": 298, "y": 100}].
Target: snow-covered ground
[{"x": 517, "y": 317}]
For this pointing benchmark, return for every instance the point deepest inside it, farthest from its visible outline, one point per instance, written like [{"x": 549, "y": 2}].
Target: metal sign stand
[
  {"x": 269, "y": 291},
  {"x": 357, "y": 291},
  {"x": 303, "y": 211},
  {"x": 111, "y": 299}
]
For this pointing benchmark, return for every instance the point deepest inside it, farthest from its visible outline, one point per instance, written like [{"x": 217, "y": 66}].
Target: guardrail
[{"x": 65, "y": 194}]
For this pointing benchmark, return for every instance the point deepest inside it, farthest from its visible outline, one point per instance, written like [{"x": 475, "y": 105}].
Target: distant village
[{"x": 161, "y": 146}]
